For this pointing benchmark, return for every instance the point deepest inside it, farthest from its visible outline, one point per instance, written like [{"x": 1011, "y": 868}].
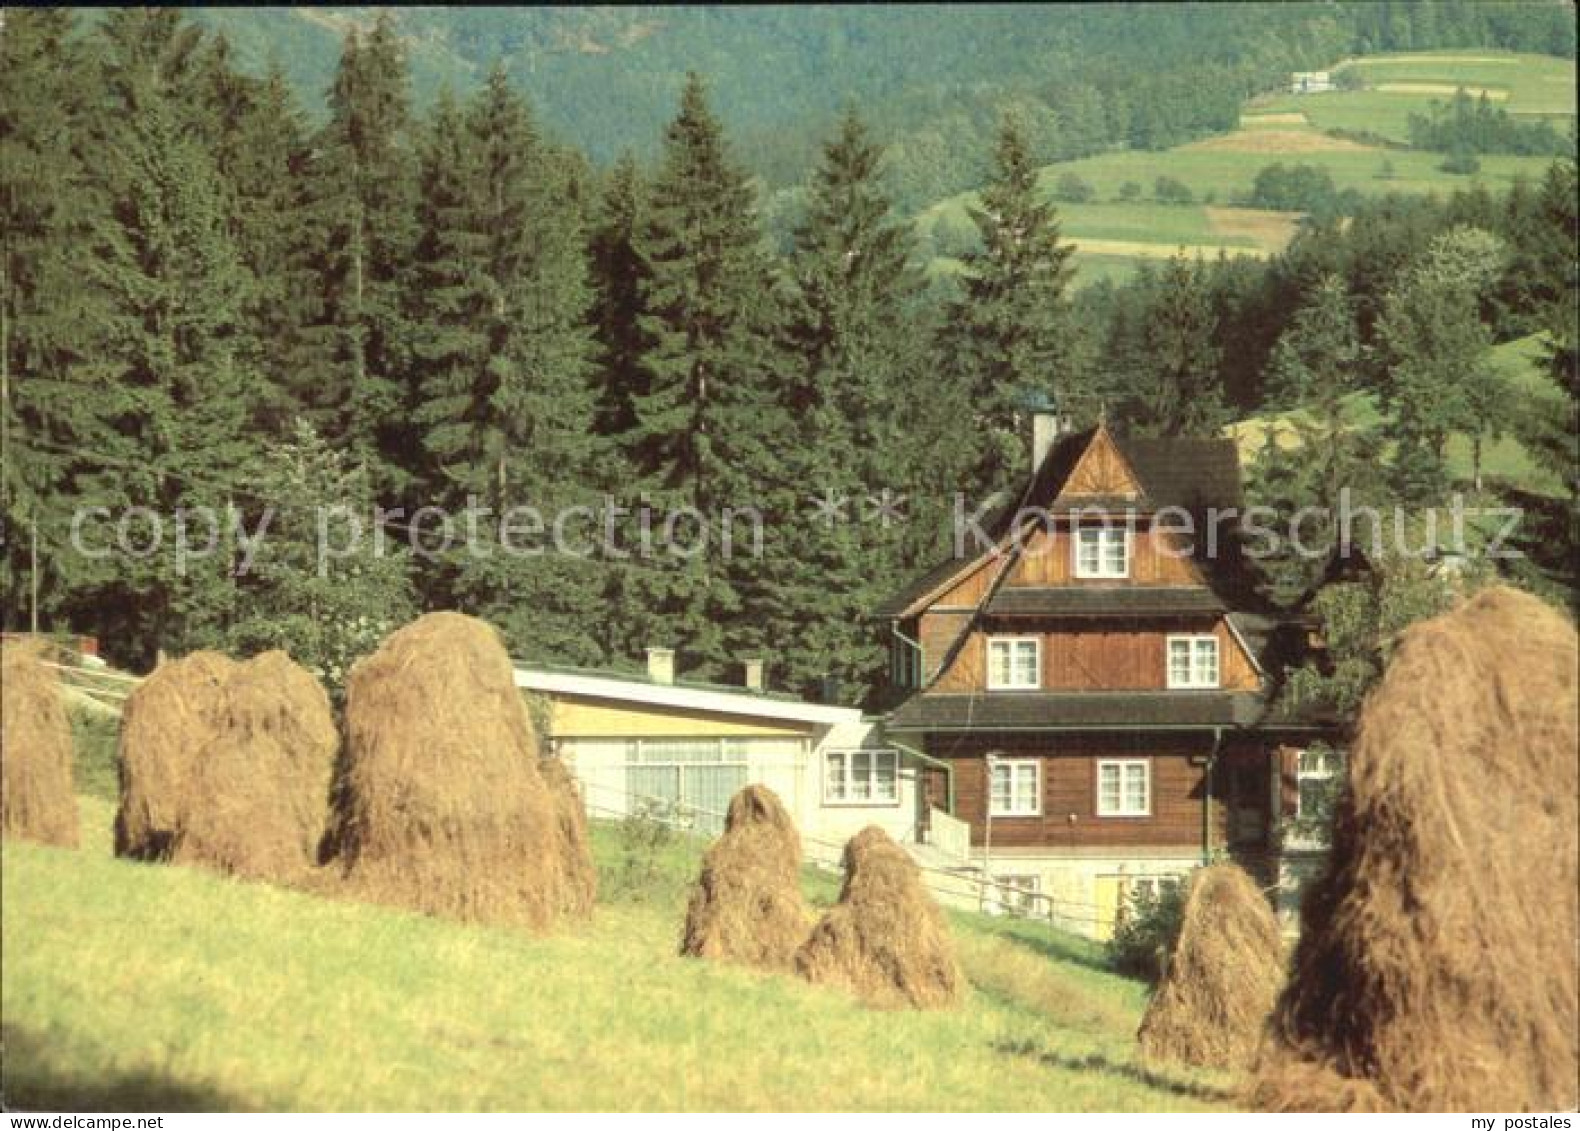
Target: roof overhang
[{"x": 676, "y": 697}]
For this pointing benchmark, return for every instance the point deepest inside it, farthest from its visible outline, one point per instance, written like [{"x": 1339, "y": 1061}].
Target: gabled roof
[
  {"x": 641, "y": 691},
  {"x": 1171, "y": 472}
]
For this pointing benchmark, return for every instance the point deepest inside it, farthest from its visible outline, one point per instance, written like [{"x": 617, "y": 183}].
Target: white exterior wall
[
  {"x": 791, "y": 767},
  {"x": 1072, "y": 880},
  {"x": 825, "y": 826}
]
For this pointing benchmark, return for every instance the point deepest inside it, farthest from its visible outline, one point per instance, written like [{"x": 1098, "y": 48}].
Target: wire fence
[{"x": 965, "y": 885}]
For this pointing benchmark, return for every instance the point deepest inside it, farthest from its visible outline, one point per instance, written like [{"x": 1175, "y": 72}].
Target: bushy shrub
[
  {"x": 1148, "y": 926},
  {"x": 1130, "y": 190},
  {"x": 1072, "y": 189},
  {"x": 1171, "y": 190}
]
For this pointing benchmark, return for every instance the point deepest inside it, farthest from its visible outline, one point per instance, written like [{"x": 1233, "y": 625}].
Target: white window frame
[
  {"x": 1124, "y": 765},
  {"x": 1195, "y": 680},
  {"x": 1011, "y": 765},
  {"x": 1102, "y": 572},
  {"x": 1011, "y": 642},
  {"x": 1017, "y": 895},
  {"x": 1329, "y": 770},
  {"x": 872, "y": 800}
]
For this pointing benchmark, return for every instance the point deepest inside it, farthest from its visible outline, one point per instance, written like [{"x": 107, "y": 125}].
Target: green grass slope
[
  {"x": 1504, "y": 459},
  {"x": 1113, "y": 236},
  {"x": 132, "y": 986},
  {"x": 1400, "y": 85}
]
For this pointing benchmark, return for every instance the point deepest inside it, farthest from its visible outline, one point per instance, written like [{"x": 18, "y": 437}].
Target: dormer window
[
  {"x": 1193, "y": 661},
  {"x": 1014, "y": 663},
  {"x": 1102, "y": 552}
]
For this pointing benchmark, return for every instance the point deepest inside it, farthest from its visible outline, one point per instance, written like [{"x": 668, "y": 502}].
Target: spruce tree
[
  {"x": 709, "y": 428},
  {"x": 1010, "y": 336},
  {"x": 56, "y": 403},
  {"x": 860, "y": 363},
  {"x": 178, "y": 354},
  {"x": 505, "y": 350},
  {"x": 1173, "y": 376},
  {"x": 358, "y": 230},
  {"x": 618, "y": 276}
]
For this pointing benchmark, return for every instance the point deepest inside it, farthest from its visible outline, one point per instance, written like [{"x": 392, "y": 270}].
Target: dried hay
[
  {"x": 1437, "y": 961},
  {"x": 227, "y": 765},
  {"x": 885, "y": 941},
  {"x": 747, "y": 904},
  {"x": 581, "y": 875},
  {"x": 168, "y": 718},
  {"x": 1223, "y": 978},
  {"x": 37, "y": 801},
  {"x": 441, "y": 805}
]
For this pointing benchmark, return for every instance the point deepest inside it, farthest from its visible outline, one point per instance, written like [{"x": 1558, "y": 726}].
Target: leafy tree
[
  {"x": 326, "y": 610},
  {"x": 1361, "y": 622},
  {"x": 1434, "y": 345},
  {"x": 1314, "y": 371},
  {"x": 1073, "y": 189},
  {"x": 1010, "y": 333},
  {"x": 1171, "y": 190}
]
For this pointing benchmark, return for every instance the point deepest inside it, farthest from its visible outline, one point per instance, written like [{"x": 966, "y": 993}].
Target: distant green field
[
  {"x": 1539, "y": 85},
  {"x": 1114, "y": 237},
  {"x": 1503, "y": 458}
]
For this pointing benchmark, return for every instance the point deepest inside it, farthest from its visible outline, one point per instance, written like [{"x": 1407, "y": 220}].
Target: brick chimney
[{"x": 661, "y": 665}]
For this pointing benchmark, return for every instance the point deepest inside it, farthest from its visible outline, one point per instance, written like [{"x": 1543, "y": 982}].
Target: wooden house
[{"x": 1088, "y": 691}]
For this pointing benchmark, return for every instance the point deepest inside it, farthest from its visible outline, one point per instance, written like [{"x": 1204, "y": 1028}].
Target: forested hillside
[
  {"x": 932, "y": 81},
  {"x": 215, "y": 297}
]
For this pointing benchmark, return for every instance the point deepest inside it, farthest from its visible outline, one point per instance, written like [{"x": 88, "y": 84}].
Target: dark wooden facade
[{"x": 1210, "y": 785}]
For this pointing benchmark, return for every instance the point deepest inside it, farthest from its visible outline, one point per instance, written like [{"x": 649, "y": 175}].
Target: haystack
[
  {"x": 442, "y": 806},
  {"x": 1223, "y": 978},
  {"x": 885, "y": 941},
  {"x": 1436, "y": 969},
  {"x": 581, "y": 875},
  {"x": 747, "y": 904},
  {"x": 168, "y": 718},
  {"x": 37, "y": 801},
  {"x": 228, "y": 766}
]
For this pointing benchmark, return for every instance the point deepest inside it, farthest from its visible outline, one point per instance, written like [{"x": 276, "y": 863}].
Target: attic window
[{"x": 1102, "y": 551}]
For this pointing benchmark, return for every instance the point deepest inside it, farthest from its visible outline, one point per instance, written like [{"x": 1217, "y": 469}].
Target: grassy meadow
[
  {"x": 1400, "y": 85},
  {"x": 1503, "y": 458},
  {"x": 1113, "y": 236},
  {"x": 131, "y": 986}
]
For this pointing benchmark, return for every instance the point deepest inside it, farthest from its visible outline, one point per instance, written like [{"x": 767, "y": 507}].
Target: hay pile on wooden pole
[
  {"x": 885, "y": 940},
  {"x": 747, "y": 904},
  {"x": 37, "y": 801},
  {"x": 227, "y": 765},
  {"x": 442, "y": 806},
  {"x": 1436, "y": 969},
  {"x": 1222, "y": 980}
]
